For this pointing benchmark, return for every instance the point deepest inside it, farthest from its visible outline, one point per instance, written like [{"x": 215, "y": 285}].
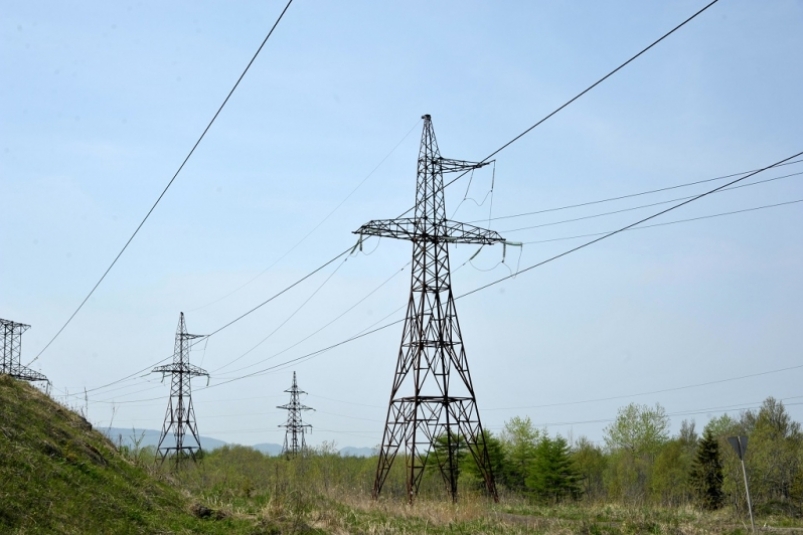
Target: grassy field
[{"x": 58, "y": 475}]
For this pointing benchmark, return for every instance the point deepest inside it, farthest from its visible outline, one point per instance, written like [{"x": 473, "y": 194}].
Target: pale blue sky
[{"x": 101, "y": 101}]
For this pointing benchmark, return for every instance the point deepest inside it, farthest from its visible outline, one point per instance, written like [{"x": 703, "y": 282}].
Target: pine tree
[
  {"x": 495, "y": 454},
  {"x": 553, "y": 476},
  {"x": 706, "y": 473}
]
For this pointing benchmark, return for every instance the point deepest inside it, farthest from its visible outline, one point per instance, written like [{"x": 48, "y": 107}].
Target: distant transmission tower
[
  {"x": 180, "y": 416},
  {"x": 432, "y": 399},
  {"x": 11, "y": 352},
  {"x": 295, "y": 429}
]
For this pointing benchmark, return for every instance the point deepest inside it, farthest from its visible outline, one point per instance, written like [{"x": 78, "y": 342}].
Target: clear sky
[{"x": 101, "y": 101}]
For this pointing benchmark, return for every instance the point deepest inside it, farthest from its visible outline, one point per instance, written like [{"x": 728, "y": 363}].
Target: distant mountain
[
  {"x": 350, "y": 451},
  {"x": 150, "y": 437},
  {"x": 268, "y": 448}
]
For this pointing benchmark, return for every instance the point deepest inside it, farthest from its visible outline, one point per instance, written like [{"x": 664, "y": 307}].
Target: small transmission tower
[
  {"x": 11, "y": 352},
  {"x": 180, "y": 416},
  {"x": 432, "y": 399},
  {"x": 295, "y": 429}
]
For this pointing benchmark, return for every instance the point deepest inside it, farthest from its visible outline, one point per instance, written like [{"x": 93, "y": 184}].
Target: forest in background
[
  {"x": 59, "y": 475},
  {"x": 640, "y": 464}
]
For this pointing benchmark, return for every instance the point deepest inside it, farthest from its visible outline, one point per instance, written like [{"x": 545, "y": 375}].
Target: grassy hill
[{"x": 58, "y": 475}]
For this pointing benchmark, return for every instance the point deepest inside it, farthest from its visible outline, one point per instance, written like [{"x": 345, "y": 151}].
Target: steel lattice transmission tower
[
  {"x": 11, "y": 352},
  {"x": 432, "y": 399},
  {"x": 295, "y": 429},
  {"x": 180, "y": 415}
]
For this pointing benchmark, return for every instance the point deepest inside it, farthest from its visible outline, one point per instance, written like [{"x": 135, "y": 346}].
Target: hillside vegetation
[{"x": 58, "y": 475}]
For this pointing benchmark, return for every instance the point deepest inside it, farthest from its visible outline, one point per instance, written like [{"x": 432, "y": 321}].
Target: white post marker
[{"x": 739, "y": 445}]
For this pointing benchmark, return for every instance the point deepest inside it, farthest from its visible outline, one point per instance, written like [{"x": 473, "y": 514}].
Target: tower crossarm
[
  {"x": 416, "y": 229},
  {"x": 184, "y": 367},
  {"x": 294, "y": 407},
  {"x": 448, "y": 165},
  {"x": 26, "y": 374}
]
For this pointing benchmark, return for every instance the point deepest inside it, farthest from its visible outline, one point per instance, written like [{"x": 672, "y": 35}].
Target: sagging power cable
[
  {"x": 512, "y": 275},
  {"x": 639, "y": 194},
  {"x": 317, "y": 226},
  {"x": 170, "y": 183},
  {"x": 667, "y": 223},
  {"x": 576, "y": 97},
  {"x": 642, "y": 206},
  {"x": 232, "y": 322},
  {"x": 625, "y": 228}
]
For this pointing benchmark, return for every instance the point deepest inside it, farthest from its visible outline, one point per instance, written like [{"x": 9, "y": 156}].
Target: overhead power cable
[
  {"x": 640, "y": 207},
  {"x": 288, "y": 318},
  {"x": 625, "y": 228},
  {"x": 306, "y": 356},
  {"x": 316, "y": 227},
  {"x": 170, "y": 183},
  {"x": 266, "y": 301},
  {"x": 631, "y": 195},
  {"x": 232, "y": 322},
  {"x": 360, "y": 335},
  {"x": 365, "y": 332},
  {"x": 352, "y": 307},
  {"x": 517, "y": 272},
  {"x": 667, "y": 223},
  {"x": 541, "y": 121},
  {"x": 576, "y": 97}
]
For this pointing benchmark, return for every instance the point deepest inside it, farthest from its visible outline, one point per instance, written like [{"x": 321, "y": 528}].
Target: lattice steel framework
[
  {"x": 11, "y": 352},
  {"x": 295, "y": 428},
  {"x": 180, "y": 415},
  {"x": 432, "y": 397}
]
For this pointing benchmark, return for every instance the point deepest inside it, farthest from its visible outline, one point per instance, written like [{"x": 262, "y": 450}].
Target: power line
[
  {"x": 499, "y": 149},
  {"x": 135, "y": 374},
  {"x": 348, "y": 402},
  {"x": 170, "y": 183},
  {"x": 252, "y": 310},
  {"x": 580, "y": 94},
  {"x": 321, "y": 222},
  {"x": 360, "y": 335},
  {"x": 369, "y": 294},
  {"x": 282, "y": 324},
  {"x": 306, "y": 356},
  {"x": 630, "y": 209},
  {"x": 266, "y": 301},
  {"x": 623, "y": 229},
  {"x": 710, "y": 216},
  {"x": 517, "y": 272},
  {"x": 609, "y": 199}
]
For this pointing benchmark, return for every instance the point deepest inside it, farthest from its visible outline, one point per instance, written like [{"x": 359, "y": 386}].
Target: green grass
[{"x": 59, "y": 476}]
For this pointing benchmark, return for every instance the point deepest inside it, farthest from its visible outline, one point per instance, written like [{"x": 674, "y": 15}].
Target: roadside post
[{"x": 739, "y": 445}]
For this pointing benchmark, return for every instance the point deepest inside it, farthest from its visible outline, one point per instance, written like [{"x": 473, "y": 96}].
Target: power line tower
[
  {"x": 180, "y": 415},
  {"x": 11, "y": 352},
  {"x": 295, "y": 429},
  {"x": 432, "y": 398}
]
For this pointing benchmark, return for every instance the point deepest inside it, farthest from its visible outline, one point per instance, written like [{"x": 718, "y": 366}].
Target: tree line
[{"x": 640, "y": 462}]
